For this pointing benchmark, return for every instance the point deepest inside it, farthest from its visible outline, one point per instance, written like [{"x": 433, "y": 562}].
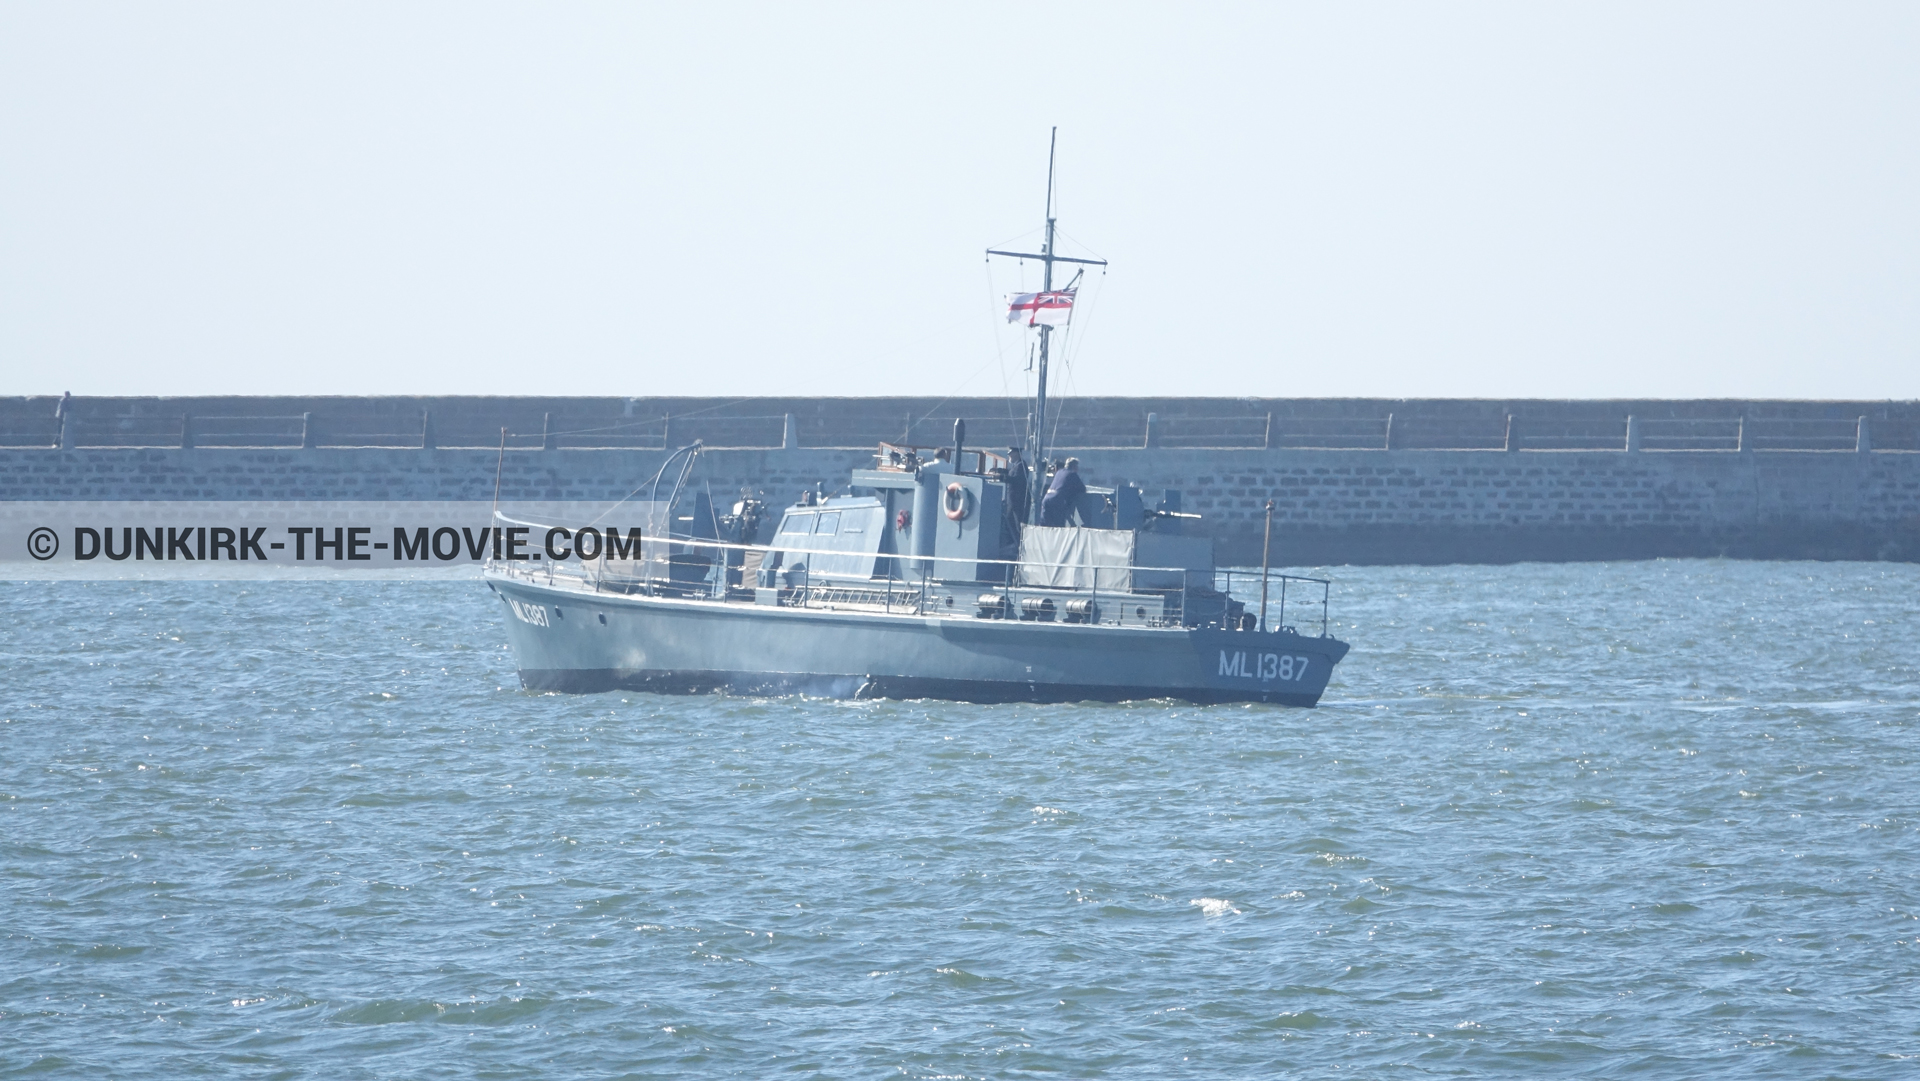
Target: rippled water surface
[{"x": 1635, "y": 819}]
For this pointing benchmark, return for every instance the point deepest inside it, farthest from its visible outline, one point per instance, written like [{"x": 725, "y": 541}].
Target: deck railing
[
  {"x": 1271, "y": 593},
  {"x": 891, "y": 593}
]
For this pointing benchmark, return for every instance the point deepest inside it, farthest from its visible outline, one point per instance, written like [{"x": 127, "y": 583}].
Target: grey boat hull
[{"x": 577, "y": 641}]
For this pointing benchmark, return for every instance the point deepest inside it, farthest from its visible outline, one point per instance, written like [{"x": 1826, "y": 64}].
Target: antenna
[
  {"x": 1037, "y": 438},
  {"x": 1053, "y": 140}
]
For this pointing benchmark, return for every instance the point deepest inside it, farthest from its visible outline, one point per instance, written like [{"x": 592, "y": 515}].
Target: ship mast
[{"x": 1037, "y": 438}]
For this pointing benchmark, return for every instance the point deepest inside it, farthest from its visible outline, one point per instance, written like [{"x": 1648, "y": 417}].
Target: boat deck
[{"x": 1185, "y": 607}]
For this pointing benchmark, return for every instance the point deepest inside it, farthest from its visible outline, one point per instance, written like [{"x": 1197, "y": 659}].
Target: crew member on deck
[
  {"x": 1018, "y": 477},
  {"x": 1063, "y": 495}
]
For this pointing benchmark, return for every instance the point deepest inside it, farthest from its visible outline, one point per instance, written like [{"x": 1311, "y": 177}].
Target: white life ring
[{"x": 956, "y": 501}]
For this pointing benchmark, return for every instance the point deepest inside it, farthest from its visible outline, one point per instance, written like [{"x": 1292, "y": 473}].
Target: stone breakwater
[
  {"x": 1330, "y": 505},
  {"x": 1352, "y": 480}
]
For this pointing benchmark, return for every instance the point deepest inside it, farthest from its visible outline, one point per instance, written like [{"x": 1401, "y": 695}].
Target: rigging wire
[
  {"x": 999, "y": 343},
  {"x": 943, "y": 329},
  {"x": 1011, "y": 241},
  {"x": 1059, "y": 232},
  {"x": 1070, "y": 350},
  {"x": 1000, "y": 323}
]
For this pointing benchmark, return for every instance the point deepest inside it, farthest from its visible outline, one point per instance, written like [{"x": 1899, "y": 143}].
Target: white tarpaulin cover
[{"x": 1093, "y": 558}]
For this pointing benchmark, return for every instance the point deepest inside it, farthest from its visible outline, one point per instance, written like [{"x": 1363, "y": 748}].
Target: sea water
[{"x": 1602, "y": 820}]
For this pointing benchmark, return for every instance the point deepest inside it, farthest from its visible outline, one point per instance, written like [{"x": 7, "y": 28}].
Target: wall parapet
[{"x": 427, "y": 423}]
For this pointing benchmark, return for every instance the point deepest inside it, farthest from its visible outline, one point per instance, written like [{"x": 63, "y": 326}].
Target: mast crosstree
[{"x": 1037, "y": 438}]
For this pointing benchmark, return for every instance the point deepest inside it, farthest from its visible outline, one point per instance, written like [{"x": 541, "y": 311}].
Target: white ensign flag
[{"x": 1053, "y": 309}]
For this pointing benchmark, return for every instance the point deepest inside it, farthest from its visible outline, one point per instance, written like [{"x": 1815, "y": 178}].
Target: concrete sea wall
[{"x": 1331, "y": 505}]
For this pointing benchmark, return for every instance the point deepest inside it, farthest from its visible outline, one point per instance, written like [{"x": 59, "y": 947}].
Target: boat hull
[{"x": 572, "y": 640}]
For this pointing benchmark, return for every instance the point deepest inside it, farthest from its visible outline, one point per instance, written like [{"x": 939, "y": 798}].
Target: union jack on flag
[{"x": 1053, "y": 309}]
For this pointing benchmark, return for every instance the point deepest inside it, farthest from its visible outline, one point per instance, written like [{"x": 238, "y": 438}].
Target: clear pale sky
[{"x": 1552, "y": 200}]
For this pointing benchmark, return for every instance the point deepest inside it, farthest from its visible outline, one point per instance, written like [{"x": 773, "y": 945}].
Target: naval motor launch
[{"x": 939, "y": 572}]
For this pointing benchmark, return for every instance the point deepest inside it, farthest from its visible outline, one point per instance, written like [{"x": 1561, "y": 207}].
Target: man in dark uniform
[
  {"x": 1013, "y": 516},
  {"x": 1063, "y": 495},
  {"x": 1018, "y": 479}
]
